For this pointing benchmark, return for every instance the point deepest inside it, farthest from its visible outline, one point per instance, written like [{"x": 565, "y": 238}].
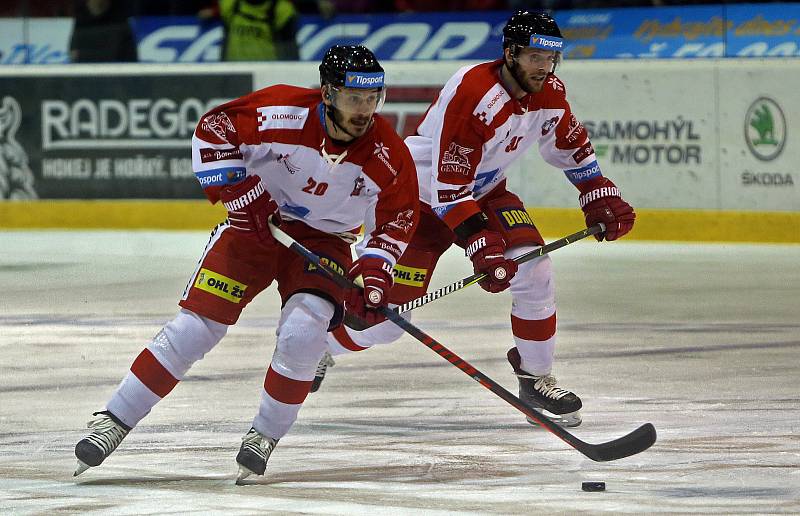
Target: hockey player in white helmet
[{"x": 486, "y": 117}]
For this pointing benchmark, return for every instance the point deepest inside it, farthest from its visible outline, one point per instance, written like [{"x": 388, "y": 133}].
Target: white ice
[{"x": 702, "y": 340}]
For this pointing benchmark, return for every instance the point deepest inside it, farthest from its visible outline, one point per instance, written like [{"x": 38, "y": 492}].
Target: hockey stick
[
  {"x": 476, "y": 278},
  {"x": 627, "y": 445}
]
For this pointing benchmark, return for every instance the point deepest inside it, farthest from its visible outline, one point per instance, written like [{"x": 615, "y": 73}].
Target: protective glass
[
  {"x": 357, "y": 100},
  {"x": 530, "y": 57}
]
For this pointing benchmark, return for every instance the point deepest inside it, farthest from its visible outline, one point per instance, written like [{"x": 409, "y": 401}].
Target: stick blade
[{"x": 635, "y": 442}]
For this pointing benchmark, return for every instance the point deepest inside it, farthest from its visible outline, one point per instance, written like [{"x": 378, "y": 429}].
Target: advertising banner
[
  {"x": 763, "y": 30},
  {"x": 34, "y": 40},
  {"x": 675, "y": 134},
  {"x": 653, "y": 133},
  {"x": 649, "y": 33},
  {"x": 108, "y": 136},
  {"x": 653, "y": 33},
  {"x": 759, "y": 146},
  {"x": 741, "y": 30}
]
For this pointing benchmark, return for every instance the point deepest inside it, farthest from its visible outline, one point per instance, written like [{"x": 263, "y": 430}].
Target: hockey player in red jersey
[
  {"x": 484, "y": 118},
  {"x": 323, "y": 164}
]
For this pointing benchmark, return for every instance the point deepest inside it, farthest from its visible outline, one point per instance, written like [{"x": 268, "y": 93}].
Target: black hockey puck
[{"x": 593, "y": 486}]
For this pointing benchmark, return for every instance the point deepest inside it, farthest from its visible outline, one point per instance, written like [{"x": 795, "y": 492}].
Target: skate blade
[
  {"x": 81, "y": 468},
  {"x": 570, "y": 420},
  {"x": 243, "y": 474}
]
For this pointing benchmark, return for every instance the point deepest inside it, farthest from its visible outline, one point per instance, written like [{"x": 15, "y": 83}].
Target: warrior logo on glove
[
  {"x": 601, "y": 202},
  {"x": 249, "y": 208},
  {"x": 486, "y": 249}
]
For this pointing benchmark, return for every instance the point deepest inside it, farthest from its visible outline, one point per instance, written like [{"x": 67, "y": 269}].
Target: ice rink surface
[{"x": 701, "y": 340}]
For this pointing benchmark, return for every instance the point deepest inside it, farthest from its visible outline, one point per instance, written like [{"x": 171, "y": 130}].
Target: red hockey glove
[
  {"x": 377, "y": 275},
  {"x": 601, "y": 202},
  {"x": 485, "y": 248},
  {"x": 249, "y": 207}
]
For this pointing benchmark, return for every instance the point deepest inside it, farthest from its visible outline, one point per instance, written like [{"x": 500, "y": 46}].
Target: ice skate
[
  {"x": 107, "y": 433},
  {"x": 559, "y": 405},
  {"x": 324, "y": 363},
  {"x": 254, "y": 454}
]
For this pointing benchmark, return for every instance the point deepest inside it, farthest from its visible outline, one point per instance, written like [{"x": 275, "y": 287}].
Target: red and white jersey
[
  {"x": 475, "y": 129},
  {"x": 278, "y": 133}
]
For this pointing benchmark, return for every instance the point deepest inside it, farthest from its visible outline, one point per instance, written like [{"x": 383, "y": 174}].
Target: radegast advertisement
[
  {"x": 743, "y": 30},
  {"x": 103, "y": 137}
]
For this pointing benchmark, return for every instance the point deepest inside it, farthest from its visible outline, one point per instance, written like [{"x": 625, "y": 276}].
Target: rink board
[
  {"x": 680, "y": 225},
  {"x": 704, "y": 150}
]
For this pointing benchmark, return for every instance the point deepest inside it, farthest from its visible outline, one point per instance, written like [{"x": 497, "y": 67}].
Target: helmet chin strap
[{"x": 331, "y": 113}]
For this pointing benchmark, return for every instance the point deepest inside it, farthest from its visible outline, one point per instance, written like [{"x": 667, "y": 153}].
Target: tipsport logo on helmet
[
  {"x": 363, "y": 79},
  {"x": 546, "y": 42}
]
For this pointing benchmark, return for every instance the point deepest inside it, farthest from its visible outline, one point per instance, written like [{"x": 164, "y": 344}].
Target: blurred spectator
[
  {"x": 259, "y": 30},
  {"x": 450, "y": 5},
  {"x": 325, "y": 8},
  {"x": 172, "y": 7},
  {"x": 36, "y": 8},
  {"x": 364, "y": 6},
  {"x": 101, "y": 33}
]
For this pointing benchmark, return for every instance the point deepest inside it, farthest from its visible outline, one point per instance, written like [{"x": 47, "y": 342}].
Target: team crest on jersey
[
  {"x": 358, "y": 185},
  {"x": 219, "y": 124},
  {"x": 549, "y": 124},
  {"x": 404, "y": 221},
  {"x": 575, "y": 130},
  {"x": 454, "y": 159}
]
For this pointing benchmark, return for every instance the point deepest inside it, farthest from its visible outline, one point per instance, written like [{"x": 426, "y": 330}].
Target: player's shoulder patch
[
  {"x": 555, "y": 86},
  {"x": 491, "y": 103},
  {"x": 283, "y": 107},
  {"x": 387, "y": 153},
  {"x": 281, "y": 117}
]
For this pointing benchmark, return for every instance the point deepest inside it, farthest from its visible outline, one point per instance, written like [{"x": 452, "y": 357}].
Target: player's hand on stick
[
  {"x": 377, "y": 276},
  {"x": 485, "y": 248},
  {"x": 601, "y": 202},
  {"x": 249, "y": 208}
]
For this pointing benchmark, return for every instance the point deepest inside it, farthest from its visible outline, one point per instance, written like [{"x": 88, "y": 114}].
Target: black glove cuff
[{"x": 470, "y": 226}]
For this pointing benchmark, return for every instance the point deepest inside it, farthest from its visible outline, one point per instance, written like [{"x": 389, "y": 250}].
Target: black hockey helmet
[
  {"x": 351, "y": 66},
  {"x": 346, "y": 69},
  {"x": 528, "y": 29},
  {"x": 532, "y": 30}
]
